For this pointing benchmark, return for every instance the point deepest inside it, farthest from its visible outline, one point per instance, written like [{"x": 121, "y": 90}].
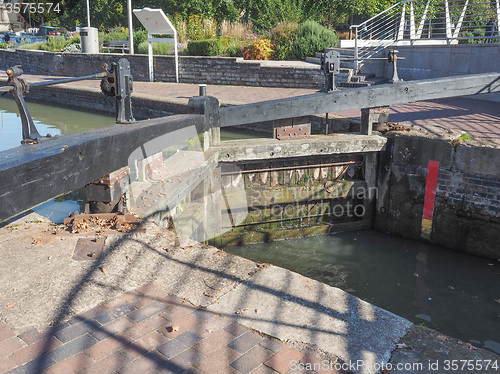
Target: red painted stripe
[{"x": 430, "y": 189}]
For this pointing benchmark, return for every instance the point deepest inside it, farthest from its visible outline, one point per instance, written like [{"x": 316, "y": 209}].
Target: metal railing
[{"x": 410, "y": 22}]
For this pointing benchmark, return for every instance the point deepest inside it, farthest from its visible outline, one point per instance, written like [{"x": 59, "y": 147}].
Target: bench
[{"x": 116, "y": 45}]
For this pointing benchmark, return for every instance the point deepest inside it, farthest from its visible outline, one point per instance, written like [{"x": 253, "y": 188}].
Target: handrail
[
  {"x": 379, "y": 14},
  {"x": 393, "y": 26}
]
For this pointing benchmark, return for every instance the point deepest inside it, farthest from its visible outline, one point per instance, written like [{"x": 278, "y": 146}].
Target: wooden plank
[
  {"x": 243, "y": 150},
  {"x": 365, "y": 97},
  {"x": 33, "y": 174}
]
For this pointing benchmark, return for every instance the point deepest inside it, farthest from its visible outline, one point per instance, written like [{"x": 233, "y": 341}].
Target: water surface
[{"x": 449, "y": 291}]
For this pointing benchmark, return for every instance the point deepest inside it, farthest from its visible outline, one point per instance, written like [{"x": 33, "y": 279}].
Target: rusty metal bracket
[
  {"x": 119, "y": 83},
  {"x": 370, "y": 116},
  {"x": 393, "y": 58},
  {"x": 330, "y": 65},
  {"x": 292, "y": 132},
  {"x": 21, "y": 88}
]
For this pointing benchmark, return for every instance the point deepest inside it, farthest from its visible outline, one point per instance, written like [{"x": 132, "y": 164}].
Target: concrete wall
[
  {"x": 435, "y": 61},
  {"x": 210, "y": 70},
  {"x": 467, "y": 205}
]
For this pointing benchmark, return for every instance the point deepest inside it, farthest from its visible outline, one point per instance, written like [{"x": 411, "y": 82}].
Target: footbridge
[{"x": 176, "y": 167}]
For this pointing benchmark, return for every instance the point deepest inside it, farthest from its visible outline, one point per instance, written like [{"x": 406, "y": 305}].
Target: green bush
[
  {"x": 158, "y": 48},
  {"x": 282, "y": 37},
  {"x": 206, "y": 47},
  {"x": 311, "y": 38},
  {"x": 139, "y": 37},
  {"x": 116, "y": 33},
  {"x": 54, "y": 44},
  {"x": 233, "y": 47}
]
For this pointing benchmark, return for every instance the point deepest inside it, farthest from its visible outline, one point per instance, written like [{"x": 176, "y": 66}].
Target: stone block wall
[
  {"x": 209, "y": 70},
  {"x": 467, "y": 204}
]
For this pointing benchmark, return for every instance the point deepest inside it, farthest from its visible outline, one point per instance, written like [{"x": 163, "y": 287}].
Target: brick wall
[
  {"x": 467, "y": 204},
  {"x": 210, "y": 70}
]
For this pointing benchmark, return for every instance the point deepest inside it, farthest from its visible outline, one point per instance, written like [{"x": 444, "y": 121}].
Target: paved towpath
[{"x": 479, "y": 118}]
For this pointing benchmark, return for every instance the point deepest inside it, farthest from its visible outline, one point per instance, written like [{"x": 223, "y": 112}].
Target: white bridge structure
[{"x": 427, "y": 22}]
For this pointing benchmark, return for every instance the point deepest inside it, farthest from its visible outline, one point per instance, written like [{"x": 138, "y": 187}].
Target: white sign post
[{"x": 156, "y": 23}]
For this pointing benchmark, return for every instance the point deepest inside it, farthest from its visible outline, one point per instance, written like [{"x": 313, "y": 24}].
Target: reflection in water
[
  {"x": 62, "y": 121},
  {"x": 54, "y": 121},
  {"x": 452, "y": 292},
  {"x": 48, "y": 120}
]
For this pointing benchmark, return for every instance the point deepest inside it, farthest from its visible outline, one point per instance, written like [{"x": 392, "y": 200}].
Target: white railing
[{"x": 411, "y": 22}]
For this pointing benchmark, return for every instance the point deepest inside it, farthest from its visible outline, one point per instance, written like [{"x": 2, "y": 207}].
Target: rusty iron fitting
[{"x": 14, "y": 71}]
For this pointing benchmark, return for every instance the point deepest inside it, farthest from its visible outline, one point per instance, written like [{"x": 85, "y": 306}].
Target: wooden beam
[
  {"x": 33, "y": 174},
  {"x": 245, "y": 150},
  {"x": 365, "y": 97}
]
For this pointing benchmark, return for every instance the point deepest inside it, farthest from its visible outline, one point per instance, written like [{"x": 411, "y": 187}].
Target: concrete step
[
  {"x": 362, "y": 77},
  {"x": 343, "y": 51},
  {"x": 367, "y": 83},
  {"x": 313, "y": 60}
]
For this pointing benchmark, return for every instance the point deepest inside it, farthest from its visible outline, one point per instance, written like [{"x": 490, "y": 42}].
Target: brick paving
[{"x": 148, "y": 331}]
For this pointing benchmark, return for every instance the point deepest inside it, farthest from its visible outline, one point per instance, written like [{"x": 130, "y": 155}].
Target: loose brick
[
  {"x": 147, "y": 326},
  {"x": 217, "y": 361},
  {"x": 282, "y": 360},
  {"x": 109, "y": 364},
  {"x": 252, "y": 359},
  {"x": 34, "y": 350},
  {"x": 245, "y": 342},
  {"x": 148, "y": 311},
  {"x": 236, "y": 329},
  {"x": 11, "y": 345},
  {"x": 214, "y": 342},
  {"x": 114, "y": 313},
  {"x": 72, "y": 348},
  {"x": 70, "y": 365}
]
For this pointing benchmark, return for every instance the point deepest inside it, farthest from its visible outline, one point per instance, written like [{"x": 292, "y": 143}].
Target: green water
[{"x": 449, "y": 291}]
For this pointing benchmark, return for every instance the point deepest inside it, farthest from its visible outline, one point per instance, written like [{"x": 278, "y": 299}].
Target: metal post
[
  {"x": 356, "y": 50},
  {"x": 30, "y": 132},
  {"x": 88, "y": 14},
  {"x": 176, "y": 58},
  {"x": 130, "y": 30},
  {"x": 202, "y": 89},
  {"x": 150, "y": 58}
]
